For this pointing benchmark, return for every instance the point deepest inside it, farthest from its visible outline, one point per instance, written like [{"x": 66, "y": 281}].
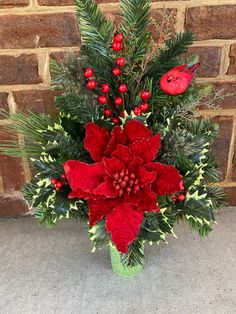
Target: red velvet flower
[{"x": 124, "y": 182}]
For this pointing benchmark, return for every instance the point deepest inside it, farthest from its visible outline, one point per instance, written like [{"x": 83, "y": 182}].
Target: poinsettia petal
[
  {"x": 107, "y": 189},
  {"x": 123, "y": 153},
  {"x": 145, "y": 177},
  {"x": 100, "y": 208},
  {"x": 168, "y": 179},
  {"x": 123, "y": 223},
  {"x": 84, "y": 176},
  {"x": 136, "y": 130},
  {"x": 147, "y": 148},
  {"x": 117, "y": 137},
  {"x": 113, "y": 166},
  {"x": 79, "y": 194},
  {"x": 96, "y": 140},
  {"x": 148, "y": 200}
]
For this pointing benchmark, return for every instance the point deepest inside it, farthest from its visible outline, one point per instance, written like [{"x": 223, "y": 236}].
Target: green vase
[{"x": 119, "y": 268}]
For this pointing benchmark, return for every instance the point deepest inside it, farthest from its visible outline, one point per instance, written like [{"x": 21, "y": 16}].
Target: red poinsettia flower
[{"x": 124, "y": 183}]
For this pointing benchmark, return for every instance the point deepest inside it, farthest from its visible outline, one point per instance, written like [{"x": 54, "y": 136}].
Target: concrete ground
[{"x": 53, "y": 271}]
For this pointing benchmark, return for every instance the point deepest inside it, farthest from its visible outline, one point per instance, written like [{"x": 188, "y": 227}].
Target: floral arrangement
[{"x": 125, "y": 153}]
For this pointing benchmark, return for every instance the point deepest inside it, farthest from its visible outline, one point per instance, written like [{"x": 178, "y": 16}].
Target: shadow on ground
[{"x": 53, "y": 271}]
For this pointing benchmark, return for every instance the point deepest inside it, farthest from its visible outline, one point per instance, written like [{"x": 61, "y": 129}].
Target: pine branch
[
  {"x": 77, "y": 106},
  {"x": 167, "y": 57},
  {"x": 31, "y": 126},
  {"x": 135, "y": 17},
  {"x": 96, "y": 30},
  {"x": 67, "y": 75}
]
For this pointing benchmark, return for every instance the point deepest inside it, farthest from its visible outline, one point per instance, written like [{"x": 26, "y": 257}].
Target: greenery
[{"x": 48, "y": 141}]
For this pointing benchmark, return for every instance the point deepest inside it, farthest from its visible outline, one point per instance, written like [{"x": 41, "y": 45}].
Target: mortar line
[{"x": 229, "y": 170}]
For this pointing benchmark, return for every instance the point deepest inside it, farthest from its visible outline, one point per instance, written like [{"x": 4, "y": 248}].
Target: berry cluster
[
  {"x": 58, "y": 183},
  {"x": 179, "y": 197},
  {"x": 118, "y": 101},
  {"x": 144, "y": 95}
]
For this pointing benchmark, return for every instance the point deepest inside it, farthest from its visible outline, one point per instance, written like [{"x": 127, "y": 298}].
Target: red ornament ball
[
  {"x": 91, "y": 85},
  {"x": 107, "y": 112},
  {"x": 144, "y": 106},
  {"x": 116, "y": 71},
  {"x": 103, "y": 100},
  {"x": 123, "y": 88},
  {"x": 120, "y": 61},
  {"x": 137, "y": 111},
  {"x": 88, "y": 73},
  {"x": 118, "y": 38},
  {"x": 54, "y": 181},
  {"x": 116, "y": 46},
  {"x": 116, "y": 120},
  {"x": 145, "y": 94},
  {"x": 105, "y": 88},
  {"x": 118, "y": 101},
  {"x": 59, "y": 185},
  {"x": 181, "y": 197}
]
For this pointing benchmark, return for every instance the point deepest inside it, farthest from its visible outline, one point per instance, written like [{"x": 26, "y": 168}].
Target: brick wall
[{"x": 32, "y": 31}]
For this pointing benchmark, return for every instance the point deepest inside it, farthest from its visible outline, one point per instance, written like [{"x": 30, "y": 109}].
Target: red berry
[
  {"x": 118, "y": 38},
  {"x": 116, "y": 46},
  {"x": 181, "y": 197},
  {"x": 54, "y": 181},
  {"x": 123, "y": 88},
  {"x": 107, "y": 112},
  {"x": 105, "y": 88},
  {"x": 118, "y": 101},
  {"x": 137, "y": 111},
  {"x": 120, "y": 61},
  {"x": 145, "y": 94},
  {"x": 59, "y": 184},
  {"x": 122, "y": 114},
  {"x": 144, "y": 106},
  {"x": 103, "y": 100},
  {"x": 91, "y": 84},
  {"x": 116, "y": 120},
  {"x": 116, "y": 71},
  {"x": 88, "y": 73},
  {"x": 63, "y": 176}
]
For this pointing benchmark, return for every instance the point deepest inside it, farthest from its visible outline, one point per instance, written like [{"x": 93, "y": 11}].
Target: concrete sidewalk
[{"x": 52, "y": 271}]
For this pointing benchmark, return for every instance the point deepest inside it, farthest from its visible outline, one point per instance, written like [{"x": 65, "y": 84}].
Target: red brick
[
  {"x": 210, "y": 58},
  {"x": 47, "y": 30},
  {"x": 158, "y": 16},
  {"x": 36, "y": 100},
  {"x": 13, "y": 3},
  {"x": 231, "y": 195},
  {"x": 226, "y": 88},
  {"x": 11, "y": 169},
  {"x": 21, "y": 69},
  {"x": 213, "y": 22},
  {"x": 11, "y": 206},
  {"x": 56, "y": 2},
  {"x": 3, "y": 101},
  {"x": 221, "y": 145},
  {"x": 232, "y": 56}
]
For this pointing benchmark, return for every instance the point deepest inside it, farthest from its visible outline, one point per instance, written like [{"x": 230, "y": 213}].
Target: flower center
[{"x": 126, "y": 182}]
